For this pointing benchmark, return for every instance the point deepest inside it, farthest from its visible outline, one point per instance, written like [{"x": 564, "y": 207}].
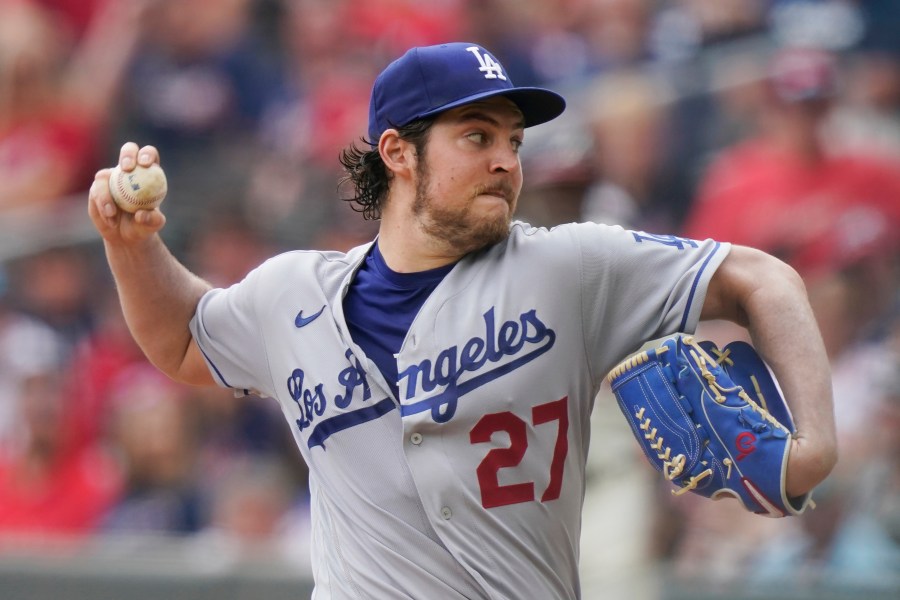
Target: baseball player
[{"x": 439, "y": 380}]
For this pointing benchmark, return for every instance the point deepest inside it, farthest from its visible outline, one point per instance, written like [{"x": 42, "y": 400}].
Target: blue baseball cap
[{"x": 431, "y": 79}]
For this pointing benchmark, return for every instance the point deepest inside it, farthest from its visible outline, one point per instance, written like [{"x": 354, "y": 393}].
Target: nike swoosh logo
[{"x": 302, "y": 321}]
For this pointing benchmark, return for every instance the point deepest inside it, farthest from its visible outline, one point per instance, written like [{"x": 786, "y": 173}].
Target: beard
[{"x": 457, "y": 227}]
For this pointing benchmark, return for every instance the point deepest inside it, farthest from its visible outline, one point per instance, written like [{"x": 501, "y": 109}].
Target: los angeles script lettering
[
  {"x": 527, "y": 336},
  {"x": 312, "y": 402},
  {"x": 507, "y": 340}
]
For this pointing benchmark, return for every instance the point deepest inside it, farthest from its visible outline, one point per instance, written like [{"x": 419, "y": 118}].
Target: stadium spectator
[
  {"x": 48, "y": 486},
  {"x": 152, "y": 428},
  {"x": 783, "y": 187}
]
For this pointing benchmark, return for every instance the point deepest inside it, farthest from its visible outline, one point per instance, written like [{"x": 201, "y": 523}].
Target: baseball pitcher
[{"x": 439, "y": 380}]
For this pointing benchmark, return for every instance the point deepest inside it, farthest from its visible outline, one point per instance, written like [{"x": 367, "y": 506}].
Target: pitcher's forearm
[
  {"x": 789, "y": 339},
  {"x": 768, "y": 297},
  {"x": 159, "y": 297}
]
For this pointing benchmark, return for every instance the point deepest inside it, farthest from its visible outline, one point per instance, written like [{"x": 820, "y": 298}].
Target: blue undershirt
[{"x": 380, "y": 306}]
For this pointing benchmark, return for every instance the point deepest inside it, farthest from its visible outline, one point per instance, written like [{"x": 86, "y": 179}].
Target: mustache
[{"x": 500, "y": 188}]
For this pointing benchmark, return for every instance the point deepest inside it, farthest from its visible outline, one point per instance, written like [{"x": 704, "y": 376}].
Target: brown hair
[{"x": 366, "y": 171}]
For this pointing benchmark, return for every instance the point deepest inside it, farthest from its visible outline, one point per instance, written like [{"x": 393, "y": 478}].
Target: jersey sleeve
[
  {"x": 637, "y": 287},
  {"x": 227, "y": 329}
]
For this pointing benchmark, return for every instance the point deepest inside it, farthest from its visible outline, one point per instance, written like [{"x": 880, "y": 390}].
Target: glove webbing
[
  {"x": 723, "y": 357},
  {"x": 702, "y": 360}
]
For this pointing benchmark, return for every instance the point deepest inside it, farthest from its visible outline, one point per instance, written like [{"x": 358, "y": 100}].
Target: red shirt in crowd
[{"x": 758, "y": 196}]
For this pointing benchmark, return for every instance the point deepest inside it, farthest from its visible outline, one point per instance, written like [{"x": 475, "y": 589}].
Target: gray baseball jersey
[{"x": 470, "y": 484}]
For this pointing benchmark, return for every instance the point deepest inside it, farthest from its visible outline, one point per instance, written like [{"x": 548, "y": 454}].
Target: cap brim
[{"x": 538, "y": 105}]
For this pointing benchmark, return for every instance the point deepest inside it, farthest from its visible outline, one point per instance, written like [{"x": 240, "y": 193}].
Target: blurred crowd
[{"x": 770, "y": 123}]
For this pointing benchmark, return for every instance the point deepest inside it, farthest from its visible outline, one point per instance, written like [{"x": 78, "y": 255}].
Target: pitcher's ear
[{"x": 398, "y": 154}]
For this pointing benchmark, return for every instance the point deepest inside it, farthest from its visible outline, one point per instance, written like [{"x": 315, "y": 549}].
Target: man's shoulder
[
  {"x": 547, "y": 245},
  {"x": 324, "y": 269},
  {"x": 562, "y": 233},
  {"x": 315, "y": 259},
  {"x": 523, "y": 229}
]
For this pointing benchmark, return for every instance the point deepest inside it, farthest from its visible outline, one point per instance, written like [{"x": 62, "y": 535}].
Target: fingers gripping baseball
[{"x": 123, "y": 201}]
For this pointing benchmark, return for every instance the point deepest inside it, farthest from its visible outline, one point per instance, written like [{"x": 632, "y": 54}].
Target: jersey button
[
  {"x": 446, "y": 512},
  {"x": 416, "y": 438}
]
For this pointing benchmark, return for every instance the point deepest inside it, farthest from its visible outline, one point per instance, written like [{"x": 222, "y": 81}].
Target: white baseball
[{"x": 142, "y": 188}]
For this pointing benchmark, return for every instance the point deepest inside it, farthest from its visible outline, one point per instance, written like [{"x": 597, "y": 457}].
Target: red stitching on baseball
[{"x": 125, "y": 195}]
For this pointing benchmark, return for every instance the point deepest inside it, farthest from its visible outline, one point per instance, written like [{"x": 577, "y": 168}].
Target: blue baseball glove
[{"x": 712, "y": 421}]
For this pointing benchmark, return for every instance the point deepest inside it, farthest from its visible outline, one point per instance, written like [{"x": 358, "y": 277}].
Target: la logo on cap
[
  {"x": 490, "y": 67},
  {"x": 429, "y": 80}
]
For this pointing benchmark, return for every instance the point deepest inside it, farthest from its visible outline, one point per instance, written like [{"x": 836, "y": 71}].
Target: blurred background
[{"x": 771, "y": 123}]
